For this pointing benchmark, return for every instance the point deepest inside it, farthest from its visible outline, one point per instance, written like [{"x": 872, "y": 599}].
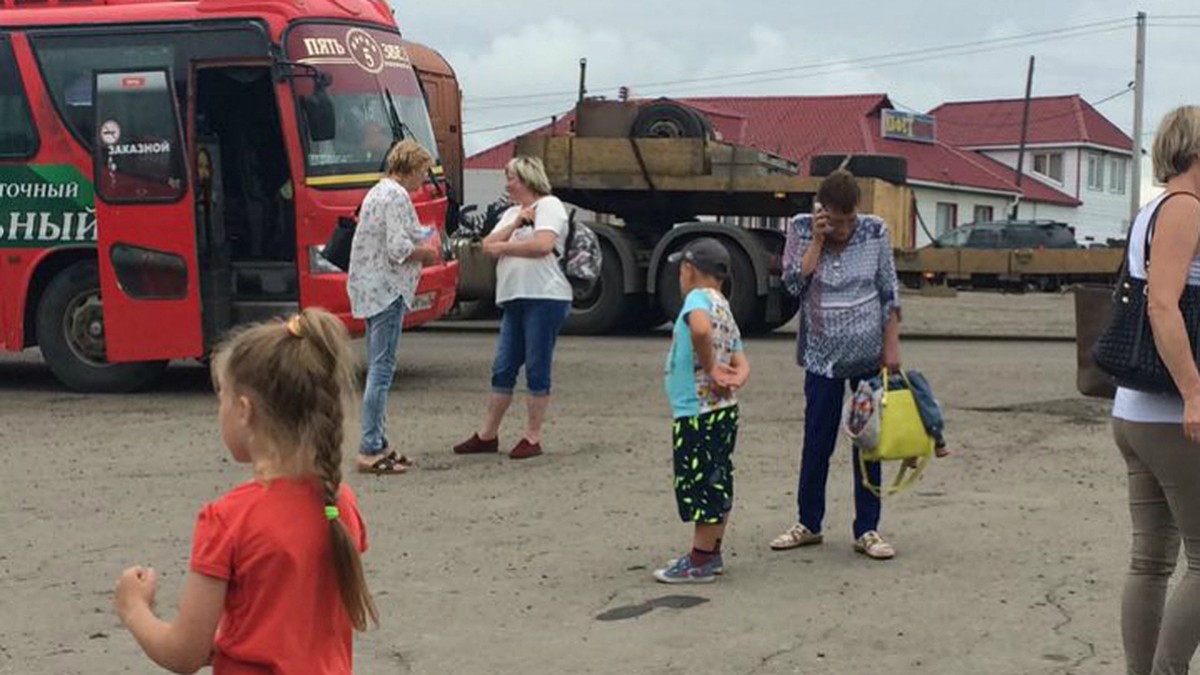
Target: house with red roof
[
  {"x": 1069, "y": 146},
  {"x": 957, "y": 176}
]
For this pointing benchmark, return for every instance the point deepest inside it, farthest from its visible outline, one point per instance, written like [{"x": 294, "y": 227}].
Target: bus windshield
[{"x": 375, "y": 94}]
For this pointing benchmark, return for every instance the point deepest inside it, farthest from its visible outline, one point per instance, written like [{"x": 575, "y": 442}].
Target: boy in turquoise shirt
[{"x": 705, "y": 368}]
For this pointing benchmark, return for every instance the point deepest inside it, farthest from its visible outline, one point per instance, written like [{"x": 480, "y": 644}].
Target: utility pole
[
  {"x": 582, "y": 79},
  {"x": 1024, "y": 136},
  {"x": 1139, "y": 98}
]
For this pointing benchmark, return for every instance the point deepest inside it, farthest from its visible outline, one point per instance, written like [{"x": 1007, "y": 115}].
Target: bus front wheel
[{"x": 70, "y": 332}]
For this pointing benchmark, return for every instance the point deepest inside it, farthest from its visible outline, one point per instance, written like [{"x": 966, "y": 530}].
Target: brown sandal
[{"x": 386, "y": 465}]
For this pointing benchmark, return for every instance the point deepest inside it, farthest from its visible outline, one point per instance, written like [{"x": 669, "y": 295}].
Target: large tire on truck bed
[
  {"x": 70, "y": 332},
  {"x": 891, "y": 168},
  {"x": 741, "y": 289},
  {"x": 668, "y": 119},
  {"x": 603, "y": 309}
]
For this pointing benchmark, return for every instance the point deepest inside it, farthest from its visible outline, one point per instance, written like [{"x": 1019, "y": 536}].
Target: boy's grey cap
[{"x": 705, "y": 254}]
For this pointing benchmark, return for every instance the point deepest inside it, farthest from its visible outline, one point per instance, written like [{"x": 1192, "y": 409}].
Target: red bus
[{"x": 171, "y": 169}]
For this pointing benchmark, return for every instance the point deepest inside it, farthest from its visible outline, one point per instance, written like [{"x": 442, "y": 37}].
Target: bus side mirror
[{"x": 319, "y": 114}]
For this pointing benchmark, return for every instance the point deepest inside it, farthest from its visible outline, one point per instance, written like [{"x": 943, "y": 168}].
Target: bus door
[{"x": 145, "y": 230}]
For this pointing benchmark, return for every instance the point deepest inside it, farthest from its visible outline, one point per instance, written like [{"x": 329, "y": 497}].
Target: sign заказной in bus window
[{"x": 137, "y": 132}]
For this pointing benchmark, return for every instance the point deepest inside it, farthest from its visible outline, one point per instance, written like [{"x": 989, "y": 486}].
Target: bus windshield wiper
[{"x": 400, "y": 130}]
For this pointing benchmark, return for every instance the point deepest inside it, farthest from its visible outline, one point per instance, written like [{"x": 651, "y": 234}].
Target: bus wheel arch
[{"x": 68, "y": 324}]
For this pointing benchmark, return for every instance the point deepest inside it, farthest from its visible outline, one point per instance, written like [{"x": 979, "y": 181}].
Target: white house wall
[
  {"x": 1072, "y": 175},
  {"x": 1104, "y": 213},
  {"x": 928, "y": 199}
]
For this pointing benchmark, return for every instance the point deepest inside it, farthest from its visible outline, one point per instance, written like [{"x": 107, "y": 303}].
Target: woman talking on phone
[{"x": 839, "y": 263}]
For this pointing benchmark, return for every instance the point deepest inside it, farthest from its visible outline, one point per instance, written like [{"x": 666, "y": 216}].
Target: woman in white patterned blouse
[{"x": 386, "y": 258}]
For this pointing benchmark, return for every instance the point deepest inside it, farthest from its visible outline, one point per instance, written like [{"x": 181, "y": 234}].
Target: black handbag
[
  {"x": 341, "y": 239},
  {"x": 1126, "y": 349}
]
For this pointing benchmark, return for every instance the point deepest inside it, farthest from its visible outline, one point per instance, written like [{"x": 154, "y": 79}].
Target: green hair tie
[{"x": 331, "y": 512}]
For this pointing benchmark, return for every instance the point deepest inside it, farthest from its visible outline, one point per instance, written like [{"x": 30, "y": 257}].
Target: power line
[
  {"x": 1057, "y": 32},
  {"x": 904, "y": 61},
  {"x": 838, "y": 66},
  {"x": 1034, "y": 120},
  {"x": 539, "y": 118},
  {"x": 570, "y": 98}
]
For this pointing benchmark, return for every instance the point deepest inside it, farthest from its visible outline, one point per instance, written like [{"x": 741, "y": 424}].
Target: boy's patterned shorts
[{"x": 704, "y": 465}]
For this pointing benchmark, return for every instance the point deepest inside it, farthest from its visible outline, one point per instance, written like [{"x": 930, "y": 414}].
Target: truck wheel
[
  {"x": 669, "y": 120},
  {"x": 890, "y": 168},
  {"x": 643, "y": 313},
  {"x": 740, "y": 288},
  {"x": 791, "y": 305},
  {"x": 70, "y": 332},
  {"x": 602, "y": 309}
]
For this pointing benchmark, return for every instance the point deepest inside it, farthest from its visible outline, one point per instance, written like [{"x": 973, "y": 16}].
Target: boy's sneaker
[
  {"x": 718, "y": 564},
  {"x": 682, "y": 571}
]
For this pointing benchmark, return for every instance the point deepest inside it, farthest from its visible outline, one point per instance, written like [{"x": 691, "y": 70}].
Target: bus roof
[{"x": 15, "y": 13}]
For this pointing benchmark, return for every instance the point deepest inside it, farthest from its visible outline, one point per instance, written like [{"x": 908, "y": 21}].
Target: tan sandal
[
  {"x": 796, "y": 535},
  {"x": 873, "y": 546}
]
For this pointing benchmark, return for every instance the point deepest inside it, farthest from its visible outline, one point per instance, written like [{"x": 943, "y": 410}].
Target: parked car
[{"x": 1010, "y": 234}]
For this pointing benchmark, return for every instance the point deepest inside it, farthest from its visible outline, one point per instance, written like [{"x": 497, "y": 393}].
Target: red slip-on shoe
[
  {"x": 525, "y": 450},
  {"x": 477, "y": 446}
]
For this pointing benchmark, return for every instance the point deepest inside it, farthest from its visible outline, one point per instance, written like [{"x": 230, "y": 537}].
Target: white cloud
[{"x": 499, "y": 50}]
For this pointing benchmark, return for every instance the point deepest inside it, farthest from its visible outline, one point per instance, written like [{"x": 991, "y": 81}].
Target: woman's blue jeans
[
  {"x": 383, "y": 334},
  {"x": 528, "y": 332}
]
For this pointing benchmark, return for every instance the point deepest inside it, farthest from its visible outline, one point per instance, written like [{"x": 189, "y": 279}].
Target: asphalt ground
[{"x": 1011, "y": 552}]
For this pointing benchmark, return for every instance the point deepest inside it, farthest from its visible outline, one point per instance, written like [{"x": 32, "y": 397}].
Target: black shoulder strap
[
  {"x": 566, "y": 245},
  {"x": 1153, "y": 222}
]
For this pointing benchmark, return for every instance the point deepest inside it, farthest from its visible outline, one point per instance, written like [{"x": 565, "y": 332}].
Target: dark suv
[{"x": 1010, "y": 234}]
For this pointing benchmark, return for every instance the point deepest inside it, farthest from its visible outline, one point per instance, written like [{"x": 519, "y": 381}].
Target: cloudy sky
[{"x": 518, "y": 63}]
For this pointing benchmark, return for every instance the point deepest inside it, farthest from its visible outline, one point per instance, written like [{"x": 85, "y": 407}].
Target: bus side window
[
  {"x": 139, "y": 157},
  {"x": 18, "y": 137}
]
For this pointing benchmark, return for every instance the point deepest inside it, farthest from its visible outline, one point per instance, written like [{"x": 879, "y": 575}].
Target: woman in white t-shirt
[
  {"x": 535, "y": 295},
  {"x": 1159, "y": 435}
]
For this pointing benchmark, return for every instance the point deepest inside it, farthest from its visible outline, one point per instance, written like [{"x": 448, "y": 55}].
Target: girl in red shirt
[{"x": 275, "y": 583}]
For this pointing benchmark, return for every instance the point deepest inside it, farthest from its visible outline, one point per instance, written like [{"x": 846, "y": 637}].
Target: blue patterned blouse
[{"x": 845, "y": 303}]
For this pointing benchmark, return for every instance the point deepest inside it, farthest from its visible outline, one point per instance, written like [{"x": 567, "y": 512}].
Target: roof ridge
[
  {"x": 1079, "y": 120},
  {"x": 992, "y": 101},
  {"x": 781, "y": 97},
  {"x": 970, "y": 157}
]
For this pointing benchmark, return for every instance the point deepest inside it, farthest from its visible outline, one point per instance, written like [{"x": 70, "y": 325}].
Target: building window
[
  {"x": 1095, "y": 174},
  {"x": 1116, "y": 175},
  {"x": 947, "y": 217},
  {"x": 983, "y": 213},
  {"x": 17, "y": 135},
  {"x": 1049, "y": 164}
]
